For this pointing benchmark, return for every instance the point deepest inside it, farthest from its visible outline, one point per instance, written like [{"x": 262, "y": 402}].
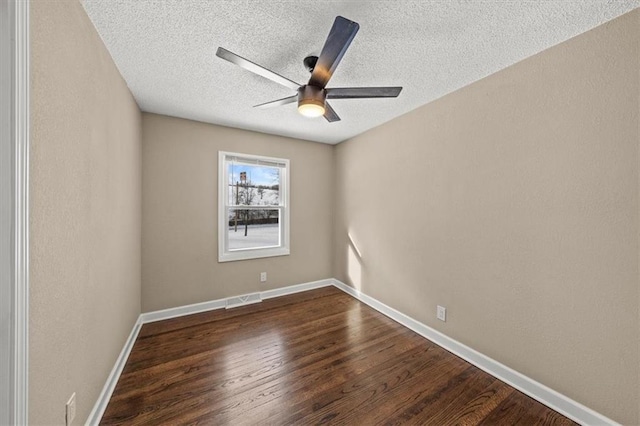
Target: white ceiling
[{"x": 165, "y": 50}]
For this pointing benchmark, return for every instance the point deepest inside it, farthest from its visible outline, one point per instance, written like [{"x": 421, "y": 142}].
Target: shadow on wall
[{"x": 354, "y": 264}]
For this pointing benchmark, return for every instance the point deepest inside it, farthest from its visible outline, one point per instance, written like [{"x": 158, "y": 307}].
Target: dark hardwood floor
[{"x": 311, "y": 358}]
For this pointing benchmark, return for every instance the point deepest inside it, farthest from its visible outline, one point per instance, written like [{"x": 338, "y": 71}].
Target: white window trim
[{"x": 224, "y": 255}]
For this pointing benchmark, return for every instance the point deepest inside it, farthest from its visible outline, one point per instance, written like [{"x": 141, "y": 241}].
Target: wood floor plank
[
  {"x": 186, "y": 341},
  {"x": 338, "y": 337},
  {"x": 277, "y": 396},
  {"x": 253, "y": 380},
  {"x": 437, "y": 403},
  {"x": 474, "y": 409},
  {"x": 159, "y": 327},
  {"x": 314, "y": 357},
  {"x": 371, "y": 389},
  {"x": 519, "y": 409}
]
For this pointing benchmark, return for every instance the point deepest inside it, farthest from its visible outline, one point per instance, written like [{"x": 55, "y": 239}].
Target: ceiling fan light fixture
[
  {"x": 311, "y": 101},
  {"x": 310, "y": 109}
]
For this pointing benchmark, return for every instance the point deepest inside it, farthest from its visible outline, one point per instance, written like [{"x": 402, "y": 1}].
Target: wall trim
[
  {"x": 105, "y": 395},
  {"x": 181, "y": 311},
  {"x": 19, "y": 26},
  {"x": 197, "y": 308},
  {"x": 549, "y": 397},
  {"x": 244, "y": 300},
  {"x": 283, "y": 291}
]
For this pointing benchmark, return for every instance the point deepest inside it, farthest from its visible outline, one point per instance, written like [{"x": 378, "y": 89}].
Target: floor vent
[{"x": 247, "y": 299}]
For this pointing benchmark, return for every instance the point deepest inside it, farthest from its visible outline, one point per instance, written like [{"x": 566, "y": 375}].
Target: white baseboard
[
  {"x": 180, "y": 311},
  {"x": 270, "y": 294},
  {"x": 555, "y": 400},
  {"x": 101, "y": 404},
  {"x": 244, "y": 300},
  {"x": 211, "y": 305},
  {"x": 561, "y": 403}
]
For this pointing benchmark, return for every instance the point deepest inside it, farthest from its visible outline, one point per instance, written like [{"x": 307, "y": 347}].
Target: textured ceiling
[{"x": 165, "y": 50}]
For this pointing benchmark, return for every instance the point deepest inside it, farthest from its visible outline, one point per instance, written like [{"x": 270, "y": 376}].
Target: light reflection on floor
[{"x": 267, "y": 353}]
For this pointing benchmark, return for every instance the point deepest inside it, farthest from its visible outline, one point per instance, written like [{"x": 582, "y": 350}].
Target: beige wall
[
  {"x": 514, "y": 203},
  {"x": 85, "y": 196},
  {"x": 180, "y": 213}
]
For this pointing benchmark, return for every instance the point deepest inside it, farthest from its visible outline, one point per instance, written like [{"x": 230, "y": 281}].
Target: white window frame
[{"x": 226, "y": 255}]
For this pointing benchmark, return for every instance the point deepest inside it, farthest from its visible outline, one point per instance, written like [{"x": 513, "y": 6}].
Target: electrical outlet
[
  {"x": 70, "y": 409},
  {"x": 263, "y": 277},
  {"x": 442, "y": 313}
]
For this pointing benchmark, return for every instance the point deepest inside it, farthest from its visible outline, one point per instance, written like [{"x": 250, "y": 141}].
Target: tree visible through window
[{"x": 253, "y": 206}]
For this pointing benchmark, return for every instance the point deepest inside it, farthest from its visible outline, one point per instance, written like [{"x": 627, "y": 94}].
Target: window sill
[{"x": 252, "y": 254}]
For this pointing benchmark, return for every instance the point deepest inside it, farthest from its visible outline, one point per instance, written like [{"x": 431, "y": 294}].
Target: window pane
[
  {"x": 253, "y": 185},
  {"x": 256, "y": 228}
]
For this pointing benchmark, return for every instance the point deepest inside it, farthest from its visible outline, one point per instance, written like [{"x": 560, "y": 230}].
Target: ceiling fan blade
[
  {"x": 363, "y": 92},
  {"x": 330, "y": 114},
  {"x": 255, "y": 68},
  {"x": 279, "y": 102},
  {"x": 342, "y": 33}
]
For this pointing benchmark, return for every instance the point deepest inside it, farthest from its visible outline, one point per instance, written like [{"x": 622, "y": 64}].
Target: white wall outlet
[
  {"x": 70, "y": 409},
  {"x": 263, "y": 277},
  {"x": 442, "y": 313}
]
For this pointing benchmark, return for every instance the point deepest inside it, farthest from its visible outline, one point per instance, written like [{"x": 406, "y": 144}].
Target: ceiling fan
[{"x": 312, "y": 97}]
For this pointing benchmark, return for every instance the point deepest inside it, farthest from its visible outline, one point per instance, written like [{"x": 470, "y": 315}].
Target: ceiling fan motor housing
[{"x": 308, "y": 94}]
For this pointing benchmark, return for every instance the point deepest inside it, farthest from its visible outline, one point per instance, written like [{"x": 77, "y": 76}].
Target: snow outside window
[{"x": 253, "y": 197}]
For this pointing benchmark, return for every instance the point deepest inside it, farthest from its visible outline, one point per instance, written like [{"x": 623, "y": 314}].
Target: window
[{"x": 253, "y": 197}]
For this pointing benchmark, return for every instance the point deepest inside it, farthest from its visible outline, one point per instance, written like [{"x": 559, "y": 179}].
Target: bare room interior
[{"x": 441, "y": 227}]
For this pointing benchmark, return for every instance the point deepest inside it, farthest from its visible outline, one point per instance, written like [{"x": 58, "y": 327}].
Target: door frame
[{"x": 19, "y": 139}]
